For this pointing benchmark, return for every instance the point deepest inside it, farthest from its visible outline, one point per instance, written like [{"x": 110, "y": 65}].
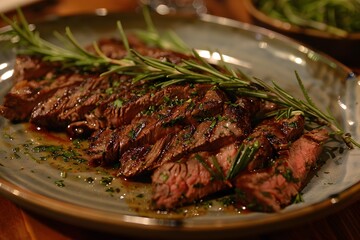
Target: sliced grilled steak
[
  {"x": 169, "y": 115},
  {"x": 25, "y": 95},
  {"x": 36, "y": 80},
  {"x": 209, "y": 135},
  {"x": 260, "y": 134},
  {"x": 72, "y": 103},
  {"x": 273, "y": 135},
  {"x": 275, "y": 187},
  {"x": 141, "y": 159},
  {"x": 155, "y": 105},
  {"x": 178, "y": 183},
  {"x": 99, "y": 143}
]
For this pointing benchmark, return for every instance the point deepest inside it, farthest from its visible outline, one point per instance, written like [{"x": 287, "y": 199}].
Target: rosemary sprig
[
  {"x": 187, "y": 71},
  {"x": 163, "y": 73},
  {"x": 307, "y": 107},
  {"x": 216, "y": 173},
  {"x": 203, "y": 73},
  {"x": 167, "y": 40},
  {"x": 31, "y": 43},
  {"x": 244, "y": 155}
]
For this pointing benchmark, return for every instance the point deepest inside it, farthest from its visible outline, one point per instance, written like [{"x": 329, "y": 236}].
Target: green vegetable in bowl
[{"x": 338, "y": 17}]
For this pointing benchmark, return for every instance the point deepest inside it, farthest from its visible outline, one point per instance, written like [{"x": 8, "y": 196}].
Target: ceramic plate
[{"x": 70, "y": 191}]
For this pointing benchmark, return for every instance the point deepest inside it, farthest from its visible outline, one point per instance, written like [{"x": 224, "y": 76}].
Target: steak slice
[
  {"x": 34, "y": 81},
  {"x": 178, "y": 183},
  {"x": 273, "y": 135},
  {"x": 71, "y": 104},
  {"x": 99, "y": 143},
  {"x": 114, "y": 48},
  {"x": 153, "y": 105},
  {"x": 209, "y": 135},
  {"x": 141, "y": 159},
  {"x": 25, "y": 95},
  {"x": 275, "y": 187},
  {"x": 30, "y": 68}
]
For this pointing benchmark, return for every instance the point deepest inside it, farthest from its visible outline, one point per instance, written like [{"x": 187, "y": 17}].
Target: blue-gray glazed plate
[{"x": 82, "y": 196}]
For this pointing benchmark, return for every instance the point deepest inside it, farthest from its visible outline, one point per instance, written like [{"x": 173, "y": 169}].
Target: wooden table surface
[{"x": 17, "y": 223}]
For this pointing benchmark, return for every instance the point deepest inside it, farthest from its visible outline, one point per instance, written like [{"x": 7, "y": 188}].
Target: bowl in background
[{"x": 344, "y": 49}]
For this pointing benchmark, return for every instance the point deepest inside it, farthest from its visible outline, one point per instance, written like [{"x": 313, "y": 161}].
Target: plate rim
[{"x": 125, "y": 224}]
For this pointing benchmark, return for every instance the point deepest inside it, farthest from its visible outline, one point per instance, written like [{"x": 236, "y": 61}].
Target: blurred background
[{"x": 330, "y": 26}]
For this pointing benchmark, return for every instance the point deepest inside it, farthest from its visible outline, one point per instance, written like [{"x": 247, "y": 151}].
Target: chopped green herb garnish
[
  {"x": 106, "y": 180},
  {"x": 8, "y": 136},
  {"x": 288, "y": 175},
  {"x": 59, "y": 152},
  {"x": 298, "y": 198},
  {"x": 118, "y": 103},
  {"x": 60, "y": 183},
  {"x": 150, "y": 110},
  {"x": 132, "y": 134}
]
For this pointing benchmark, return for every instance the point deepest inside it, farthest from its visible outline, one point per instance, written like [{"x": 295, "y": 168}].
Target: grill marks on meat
[
  {"x": 178, "y": 183},
  {"x": 63, "y": 107},
  {"x": 191, "y": 114},
  {"x": 35, "y": 81},
  {"x": 105, "y": 106},
  {"x": 286, "y": 129},
  {"x": 276, "y": 186},
  {"x": 75, "y": 103},
  {"x": 148, "y": 104},
  {"x": 208, "y": 135},
  {"x": 161, "y": 113},
  {"x": 273, "y": 135}
]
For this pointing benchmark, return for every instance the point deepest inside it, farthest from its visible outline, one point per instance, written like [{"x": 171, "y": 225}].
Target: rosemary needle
[{"x": 244, "y": 155}]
